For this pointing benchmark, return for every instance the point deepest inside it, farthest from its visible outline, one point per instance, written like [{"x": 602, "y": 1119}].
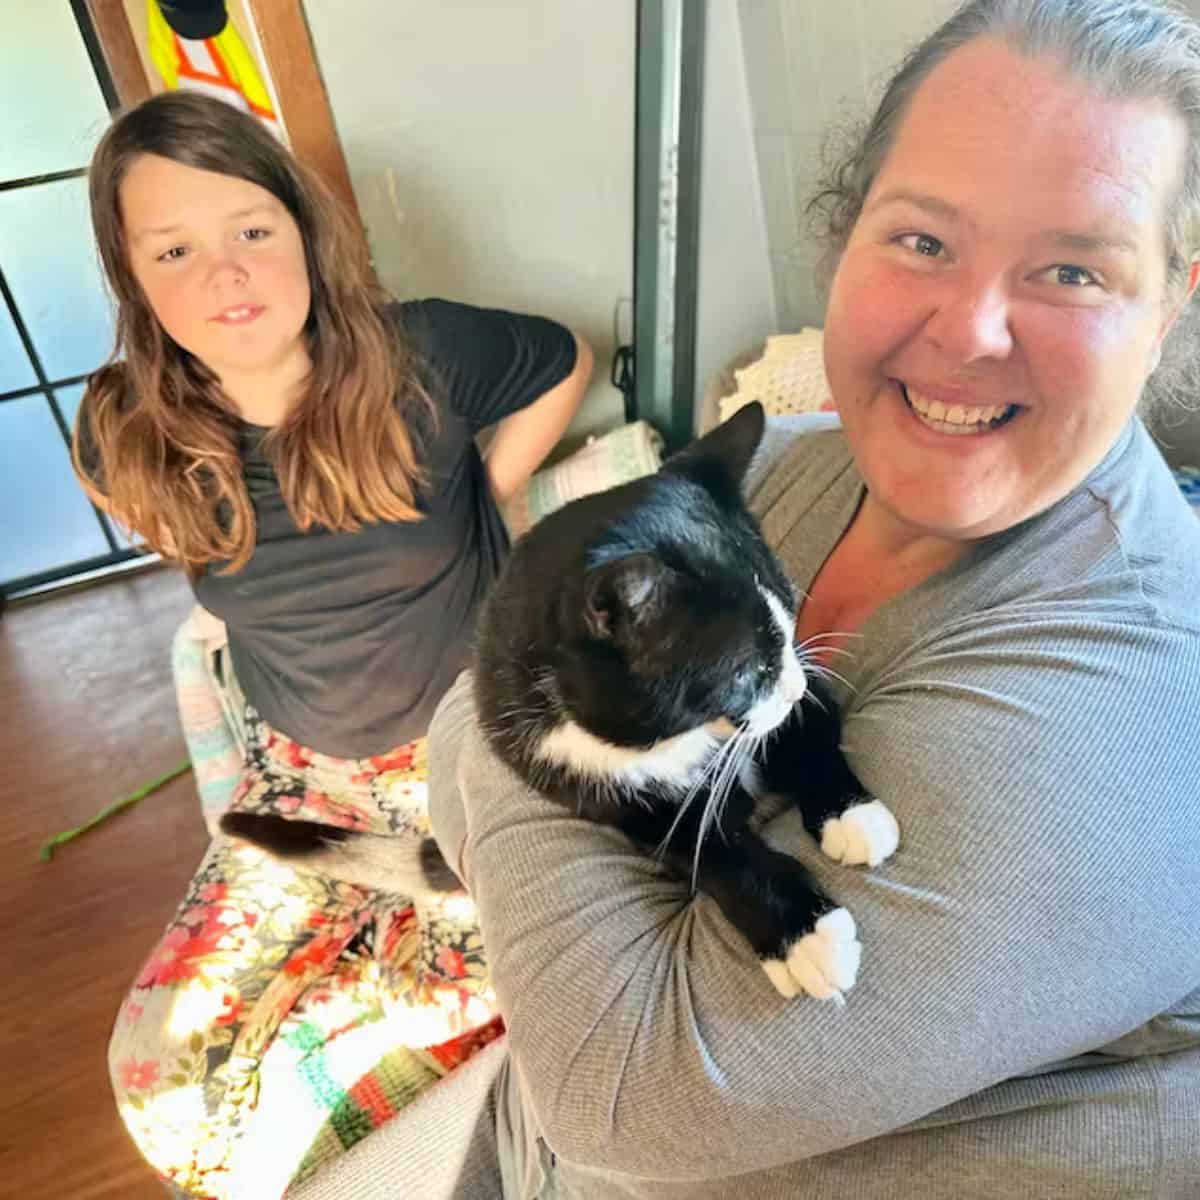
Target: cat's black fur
[
  {"x": 387, "y": 864},
  {"x": 637, "y": 614}
]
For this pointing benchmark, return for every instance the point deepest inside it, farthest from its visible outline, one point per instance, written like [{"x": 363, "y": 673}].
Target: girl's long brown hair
[{"x": 156, "y": 438}]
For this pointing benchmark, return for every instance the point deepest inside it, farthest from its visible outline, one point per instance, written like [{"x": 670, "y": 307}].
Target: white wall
[
  {"x": 736, "y": 306},
  {"x": 812, "y": 64},
  {"x": 491, "y": 150}
]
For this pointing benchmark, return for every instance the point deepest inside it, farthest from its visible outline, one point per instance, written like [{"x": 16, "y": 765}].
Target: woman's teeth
[{"x": 957, "y": 418}]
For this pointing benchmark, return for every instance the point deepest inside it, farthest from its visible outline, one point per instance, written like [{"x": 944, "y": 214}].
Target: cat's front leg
[
  {"x": 804, "y": 761},
  {"x": 864, "y": 835},
  {"x": 804, "y": 941}
]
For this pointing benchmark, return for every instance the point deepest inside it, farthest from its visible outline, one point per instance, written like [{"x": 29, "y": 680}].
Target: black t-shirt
[{"x": 347, "y": 641}]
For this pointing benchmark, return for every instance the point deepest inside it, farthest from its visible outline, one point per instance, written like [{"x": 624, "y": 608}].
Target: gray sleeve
[
  {"x": 779, "y": 437},
  {"x": 453, "y": 722},
  {"x": 1044, "y": 902}
]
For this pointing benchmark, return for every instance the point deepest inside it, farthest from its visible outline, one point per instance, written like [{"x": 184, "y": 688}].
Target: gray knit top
[{"x": 1027, "y": 1017}]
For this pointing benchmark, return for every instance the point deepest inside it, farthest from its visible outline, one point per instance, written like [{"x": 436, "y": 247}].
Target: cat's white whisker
[
  {"x": 713, "y": 766},
  {"x": 835, "y": 650},
  {"x": 719, "y": 797},
  {"x": 746, "y": 746},
  {"x": 739, "y": 747},
  {"x": 823, "y": 672},
  {"x": 809, "y": 654},
  {"x": 827, "y": 633}
]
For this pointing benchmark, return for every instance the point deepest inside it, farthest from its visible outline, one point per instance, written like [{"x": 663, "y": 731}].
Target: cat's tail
[{"x": 398, "y": 865}]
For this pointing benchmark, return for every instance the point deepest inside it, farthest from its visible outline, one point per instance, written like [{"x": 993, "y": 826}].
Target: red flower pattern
[
  {"x": 137, "y": 1075},
  {"x": 231, "y": 934},
  {"x": 452, "y": 963},
  {"x": 179, "y": 955},
  {"x": 400, "y": 759},
  {"x": 232, "y": 1011}
]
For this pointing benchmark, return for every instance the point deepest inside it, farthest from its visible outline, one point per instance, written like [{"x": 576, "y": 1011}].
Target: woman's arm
[
  {"x": 1041, "y": 905},
  {"x": 522, "y": 440}
]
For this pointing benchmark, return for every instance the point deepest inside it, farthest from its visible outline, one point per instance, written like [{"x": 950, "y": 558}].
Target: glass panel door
[{"x": 55, "y": 318}]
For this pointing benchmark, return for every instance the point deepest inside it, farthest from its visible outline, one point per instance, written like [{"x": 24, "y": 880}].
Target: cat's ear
[
  {"x": 626, "y": 592},
  {"x": 723, "y": 455}
]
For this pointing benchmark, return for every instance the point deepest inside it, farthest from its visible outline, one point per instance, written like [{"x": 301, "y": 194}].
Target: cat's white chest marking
[
  {"x": 677, "y": 762},
  {"x": 674, "y": 760}
]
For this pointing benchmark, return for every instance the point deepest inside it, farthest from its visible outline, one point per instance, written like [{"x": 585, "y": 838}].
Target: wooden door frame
[
  {"x": 307, "y": 116},
  {"x": 117, "y": 45},
  {"x": 290, "y": 61}
]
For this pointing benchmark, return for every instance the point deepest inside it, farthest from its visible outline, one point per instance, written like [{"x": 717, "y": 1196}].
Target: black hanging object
[
  {"x": 621, "y": 376},
  {"x": 195, "y": 19}
]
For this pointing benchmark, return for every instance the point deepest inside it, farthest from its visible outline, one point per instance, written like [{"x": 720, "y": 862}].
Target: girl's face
[
  {"x": 1000, "y": 302},
  {"x": 222, "y": 264}
]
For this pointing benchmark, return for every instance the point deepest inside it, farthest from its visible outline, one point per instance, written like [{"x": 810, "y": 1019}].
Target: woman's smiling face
[{"x": 1001, "y": 299}]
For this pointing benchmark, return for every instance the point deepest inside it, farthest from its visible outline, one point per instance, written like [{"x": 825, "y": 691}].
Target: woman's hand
[{"x": 523, "y": 440}]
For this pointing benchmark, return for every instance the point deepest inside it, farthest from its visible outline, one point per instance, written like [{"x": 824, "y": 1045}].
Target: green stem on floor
[{"x": 47, "y": 851}]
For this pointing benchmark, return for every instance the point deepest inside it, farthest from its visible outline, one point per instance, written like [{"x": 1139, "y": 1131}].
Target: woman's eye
[
  {"x": 922, "y": 243},
  {"x": 255, "y": 235},
  {"x": 174, "y": 254},
  {"x": 1072, "y": 276}
]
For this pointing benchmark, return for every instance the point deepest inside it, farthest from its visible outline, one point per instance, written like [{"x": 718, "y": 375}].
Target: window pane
[
  {"x": 15, "y": 368},
  {"x": 49, "y": 259},
  {"x": 51, "y": 110},
  {"x": 45, "y": 519},
  {"x": 68, "y": 402}
]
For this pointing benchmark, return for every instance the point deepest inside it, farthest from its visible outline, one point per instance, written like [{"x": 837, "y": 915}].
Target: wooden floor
[{"x": 87, "y": 714}]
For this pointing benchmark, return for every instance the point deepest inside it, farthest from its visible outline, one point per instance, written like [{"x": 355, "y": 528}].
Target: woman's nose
[{"x": 972, "y": 323}]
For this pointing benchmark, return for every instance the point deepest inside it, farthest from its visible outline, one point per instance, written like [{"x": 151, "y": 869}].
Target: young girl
[{"x": 306, "y": 451}]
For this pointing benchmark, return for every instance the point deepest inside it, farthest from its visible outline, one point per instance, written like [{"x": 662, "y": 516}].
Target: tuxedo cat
[{"x": 636, "y": 663}]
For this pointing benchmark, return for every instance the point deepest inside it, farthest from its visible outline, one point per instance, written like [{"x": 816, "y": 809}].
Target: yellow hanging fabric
[{"x": 220, "y": 65}]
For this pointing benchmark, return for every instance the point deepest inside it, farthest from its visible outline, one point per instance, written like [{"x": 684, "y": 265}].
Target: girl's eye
[
  {"x": 1072, "y": 276},
  {"x": 922, "y": 243},
  {"x": 174, "y": 254},
  {"x": 255, "y": 235}
]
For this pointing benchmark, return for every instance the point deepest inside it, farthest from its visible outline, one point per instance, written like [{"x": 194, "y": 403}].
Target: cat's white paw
[
  {"x": 822, "y": 964},
  {"x": 864, "y": 835}
]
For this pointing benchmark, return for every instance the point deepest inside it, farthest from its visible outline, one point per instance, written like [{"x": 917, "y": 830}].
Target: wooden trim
[
  {"x": 291, "y": 63},
  {"x": 111, "y": 23}
]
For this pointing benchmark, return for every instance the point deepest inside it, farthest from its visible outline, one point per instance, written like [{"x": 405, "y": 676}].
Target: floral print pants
[{"x": 278, "y": 1002}]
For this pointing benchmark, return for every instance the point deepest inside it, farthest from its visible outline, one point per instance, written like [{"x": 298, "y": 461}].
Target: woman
[
  {"x": 1018, "y": 232},
  {"x": 305, "y": 449}
]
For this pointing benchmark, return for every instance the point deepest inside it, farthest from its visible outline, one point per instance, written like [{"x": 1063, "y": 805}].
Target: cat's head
[{"x": 682, "y": 618}]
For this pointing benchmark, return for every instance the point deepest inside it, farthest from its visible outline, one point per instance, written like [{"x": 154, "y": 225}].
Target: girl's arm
[{"x": 522, "y": 440}]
